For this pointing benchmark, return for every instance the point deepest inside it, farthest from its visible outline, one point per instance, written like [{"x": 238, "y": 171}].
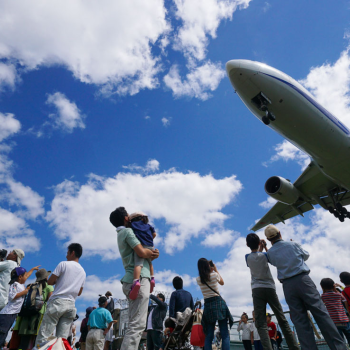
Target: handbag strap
[{"x": 213, "y": 289}]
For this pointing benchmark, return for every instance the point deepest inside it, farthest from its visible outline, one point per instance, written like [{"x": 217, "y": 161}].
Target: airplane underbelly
[{"x": 296, "y": 118}]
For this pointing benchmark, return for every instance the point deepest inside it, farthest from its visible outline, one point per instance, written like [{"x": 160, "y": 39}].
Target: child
[
  {"x": 271, "y": 327},
  {"x": 145, "y": 234},
  {"x": 345, "y": 278},
  {"x": 17, "y": 293},
  {"x": 169, "y": 328},
  {"x": 264, "y": 292},
  {"x": 247, "y": 334},
  {"x": 333, "y": 301}
]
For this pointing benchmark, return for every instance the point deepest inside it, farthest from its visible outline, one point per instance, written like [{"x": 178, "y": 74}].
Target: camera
[{"x": 3, "y": 254}]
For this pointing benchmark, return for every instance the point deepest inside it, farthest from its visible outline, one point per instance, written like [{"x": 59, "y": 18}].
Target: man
[
  {"x": 180, "y": 299},
  {"x": 68, "y": 278},
  {"x": 156, "y": 316},
  {"x": 100, "y": 322},
  {"x": 12, "y": 261},
  {"x": 264, "y": 292},
  {"x": 110, "y": 308},
  {"x": 128, "y": 246},
  {"x": 300, "y": 292}
]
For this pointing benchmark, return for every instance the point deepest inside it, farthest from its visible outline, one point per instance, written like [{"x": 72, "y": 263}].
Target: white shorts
[{"x": 109, "y": 335}]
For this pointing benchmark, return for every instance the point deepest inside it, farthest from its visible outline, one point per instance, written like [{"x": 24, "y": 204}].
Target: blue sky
[{"x": 130, "y": 105}]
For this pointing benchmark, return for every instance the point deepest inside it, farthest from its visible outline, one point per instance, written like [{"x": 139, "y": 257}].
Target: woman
[
  {"x": 248, "y": 333},
  {"x": 28, "y": 326},
  {"x": 215, "y": 308}
]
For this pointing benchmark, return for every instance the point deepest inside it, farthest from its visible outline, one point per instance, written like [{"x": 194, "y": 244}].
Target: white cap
[
  {"x": 271, "y": 231},
  {"x": 20, "y": 255}
]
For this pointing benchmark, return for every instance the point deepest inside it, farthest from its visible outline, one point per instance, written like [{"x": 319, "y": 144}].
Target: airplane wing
[{"x": 315, "y": 187}]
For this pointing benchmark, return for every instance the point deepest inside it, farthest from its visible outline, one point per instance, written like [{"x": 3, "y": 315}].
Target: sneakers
[
  {"x": 134, "y": 292},
  {"x": 153, "y": 284}
]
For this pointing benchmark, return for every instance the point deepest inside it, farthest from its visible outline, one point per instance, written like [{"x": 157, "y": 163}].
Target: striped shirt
[
  {"x": 213, "y": 283},
  {"x": 333, "y": 302}
]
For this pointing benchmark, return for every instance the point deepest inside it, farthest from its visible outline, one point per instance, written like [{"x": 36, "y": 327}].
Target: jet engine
[{"x": 282, "y": 190}]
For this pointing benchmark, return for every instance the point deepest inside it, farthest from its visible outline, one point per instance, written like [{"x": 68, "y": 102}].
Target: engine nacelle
[{"x": 282, "y": 190}]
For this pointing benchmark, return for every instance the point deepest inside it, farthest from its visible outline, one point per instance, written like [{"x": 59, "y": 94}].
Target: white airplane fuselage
[{"x": 299, "y": 118}]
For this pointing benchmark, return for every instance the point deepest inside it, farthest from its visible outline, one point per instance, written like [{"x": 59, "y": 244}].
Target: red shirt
[
  {"x": 271, "y": 327},
  {"x": 346, "y": 293},
  {"x": 335, "y": 307}
]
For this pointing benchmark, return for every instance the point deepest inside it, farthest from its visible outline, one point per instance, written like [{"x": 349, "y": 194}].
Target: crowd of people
[{"x": 47, "y": 306}]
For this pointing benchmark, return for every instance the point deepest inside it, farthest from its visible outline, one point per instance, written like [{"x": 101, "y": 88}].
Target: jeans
[
  {"x": 262, "y": 297},
  {"x": 258, "y": 345},
  {"x": 301, "y": 295},
  {"x": 225, "y": 336},
  {"x": 137, "y": 314},
  {"x": 59, "y": 314},
  {"x": 274, "y": 344},
  {"x": 154, "y": 339},
  {"x": 345, "y": 330},
  {"x": 6, "y": 321}
]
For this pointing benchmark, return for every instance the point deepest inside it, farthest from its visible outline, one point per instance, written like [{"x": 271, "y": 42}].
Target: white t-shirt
[
  {"x": 5, "y": 277},
  {"x": 71, "y": 277},
  {"x": 213, "y": 283},
  {"x": 255, "y": 331},
  {"x": 149, "y": 321},
  {"x": 14, "y": 305},
  {"x": 247, "y": 329}
]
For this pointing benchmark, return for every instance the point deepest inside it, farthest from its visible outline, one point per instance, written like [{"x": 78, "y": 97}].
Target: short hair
[
  {"x": 345, "y": 277},
  {"x": 76, "y": 248},
  {"x": 327, "y": 283},
  {"x": 169, "y": 323},
  {"x": 178, "y": 283},
  {"x": 117, "y": 217},
  {"x": 160, "y": 295},
  {"x": 101, "y": 300},
  {"x": 253, "y": 241}
]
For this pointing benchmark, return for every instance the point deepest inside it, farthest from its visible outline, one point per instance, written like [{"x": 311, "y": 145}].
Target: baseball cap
[
  {"x": 17, "y": 271},
  {"x": 136, "y": 214},
  {"x": 271, "y": 231},
  {"x": 20, "y": 255},
  {"x": 268, "y": 315}
]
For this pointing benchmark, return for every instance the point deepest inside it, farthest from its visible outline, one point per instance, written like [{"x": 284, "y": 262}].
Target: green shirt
[
  {"x": 48, "y": 289},
  {"x": 127, "y": 241}
]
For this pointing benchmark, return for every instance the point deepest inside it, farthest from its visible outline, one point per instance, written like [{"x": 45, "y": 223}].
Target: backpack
[
  {"x": 33, "y": 301},
  {"x": 110, "y": 306}
]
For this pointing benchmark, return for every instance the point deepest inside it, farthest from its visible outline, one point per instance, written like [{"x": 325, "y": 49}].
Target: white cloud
[
  {"x": 8, "y": 125},
  {"x": 166, "y": 121},
  {"x": 219, "y": 238},
  {"x": 199, "y": 81},
  {"x": 151, "y": 166},
  {"x": 269, "y": 203},
  {"x": 189, "y": 203},
  {"x": 200, "y": 19},
  {"x": 107, "y": 43},
  {"x": 147, "y": 117},
  {"x": 23, "y": 202},
  {"x": 68, "y": 114},
  {"x": 8, "y": 76},
  {"x": 266, "y": 6}
]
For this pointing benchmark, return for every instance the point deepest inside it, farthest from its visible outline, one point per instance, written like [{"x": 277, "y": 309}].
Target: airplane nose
[
  {"x": 238, "y": 72},
  {"x": 233, "y": 64}
]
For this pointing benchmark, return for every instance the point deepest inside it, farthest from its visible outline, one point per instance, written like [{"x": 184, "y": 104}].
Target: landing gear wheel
[
  {"x": 331, "y": 210},
  {"x": 341, "y": 218},
  {"x": 339, "y": 206},
  {"x": 343, "y": 211},
  {"x": 270, "y": 116},
  {"x": 266, "y": 120}
]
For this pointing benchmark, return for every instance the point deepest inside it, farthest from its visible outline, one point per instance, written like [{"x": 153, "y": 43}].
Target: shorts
[{"x": 139, "y": 261}]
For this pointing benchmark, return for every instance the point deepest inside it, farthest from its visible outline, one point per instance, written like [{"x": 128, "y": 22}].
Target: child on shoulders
[{"x": 145, "y": 234}]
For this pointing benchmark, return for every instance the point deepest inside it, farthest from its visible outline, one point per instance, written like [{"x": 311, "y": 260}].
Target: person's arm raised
[
  {"x": 29, "y": 273},
  {"x": 221, "y": 281},
  {"x": 146, "y": 253}
]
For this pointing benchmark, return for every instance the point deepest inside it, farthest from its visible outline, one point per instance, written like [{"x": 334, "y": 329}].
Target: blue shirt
[
  {"x": 144, "y": 232},
  {"x": 289, "y": 258},
  {"x": 100, "y": 318},
  {"x": 179, "y": 301}
]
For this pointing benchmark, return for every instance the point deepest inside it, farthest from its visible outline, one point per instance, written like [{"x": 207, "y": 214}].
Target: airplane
[{"x": 285, "y": 106}]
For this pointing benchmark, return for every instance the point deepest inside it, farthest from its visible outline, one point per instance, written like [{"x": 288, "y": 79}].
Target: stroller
[{"x": 179, "y": 339}]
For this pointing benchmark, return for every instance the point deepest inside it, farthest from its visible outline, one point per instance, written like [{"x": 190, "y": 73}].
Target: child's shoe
[
  {"x": 134, "y": 292},
  {"x": 153, "y": 283}
]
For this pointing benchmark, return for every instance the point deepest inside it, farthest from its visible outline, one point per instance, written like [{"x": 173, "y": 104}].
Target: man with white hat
[
  {"x": 300, "y": 292},
  {"x": 12, "y": 261}
]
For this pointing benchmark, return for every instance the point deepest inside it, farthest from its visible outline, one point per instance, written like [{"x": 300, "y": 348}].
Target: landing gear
[
  {"x": 339, "y": 212},
  {"x": 266, "y": 120},
  {"x": 262, "y": 102}
]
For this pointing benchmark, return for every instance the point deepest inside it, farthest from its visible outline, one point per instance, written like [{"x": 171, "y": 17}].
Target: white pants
[
  {"x": 95, "y": 339},
  {"x": 59, "y": 314}
]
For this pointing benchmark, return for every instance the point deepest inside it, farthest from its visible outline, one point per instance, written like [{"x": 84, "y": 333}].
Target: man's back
[
  {"x": 5, "y": 276},
  {"x": 179, "y": 301},
  {"x": 100, "y": 318},
  {"x": 260, "y": 270},
  {"x": 71, "y": 278},
  {"x": 289, "y": 258}
]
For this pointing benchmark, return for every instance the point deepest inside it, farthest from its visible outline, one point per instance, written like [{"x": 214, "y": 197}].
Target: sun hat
[
  {"x": 20, "y": 255},
  {"x": 271, "y": 231},
  {"x": 42, "y": 274},
  {"x": 136, "y": 214}
]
